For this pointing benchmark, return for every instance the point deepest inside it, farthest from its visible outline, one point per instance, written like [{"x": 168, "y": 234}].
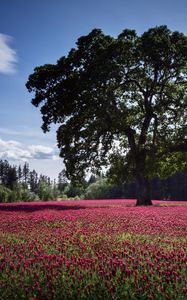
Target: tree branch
[{"x": 130, "y": 135}]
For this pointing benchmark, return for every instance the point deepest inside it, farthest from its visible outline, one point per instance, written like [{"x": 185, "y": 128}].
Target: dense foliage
[
  {"x": 93, "y": 250},
  {"x": 22, "y": 184},
  {"x": 119, "y": 102},
  {"x": 27, "y": 186},
  {"x": 172, "y": 188}
]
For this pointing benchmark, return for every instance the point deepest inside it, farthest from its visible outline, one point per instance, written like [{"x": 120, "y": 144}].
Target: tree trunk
[{"x": 144, "y": 191}]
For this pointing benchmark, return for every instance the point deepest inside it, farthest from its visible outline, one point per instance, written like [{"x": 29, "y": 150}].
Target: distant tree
[
  {"x": 21, "y": 184},
  {"x": 33, "y": 180},
  {"x": 4, "y": 193},
  {"x": 43, "y": 190},
  {"x": 120, "y": 102},
  {"x": 19, "y": 173},
  {"x": 49, "y": 180},
  {"x": 55, "y": 190},
  {"x": 62, "y": 181},
  {"x": 11, "y": 177},
  {"x": 4, "y": 170},
  {"x": 25, "y": 173},
  {"x": 8, "y": 174},
  {"x": 72, "y": 190},
  {"x": 100, "y": 189}
]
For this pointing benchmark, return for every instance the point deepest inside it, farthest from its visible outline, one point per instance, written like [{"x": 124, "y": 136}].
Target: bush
[
  {"x": 73, "y": 191},
  {"x": 44, "y": 191},
  {"x": 65, "y": 197},
  {"x": 13, "y": 197},
  {"x": 28, "y": 196},
  {"x": 98, "y": 190},
  {"x": 19, "y": 193},
  {"x": 4, "y": 193}
]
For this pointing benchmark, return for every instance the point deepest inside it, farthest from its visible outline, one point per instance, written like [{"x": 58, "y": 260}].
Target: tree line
[
  {"x": 100, "y": 187},
  {"x": 19, "y": 183},
  {"x": 172, "y": 188}
]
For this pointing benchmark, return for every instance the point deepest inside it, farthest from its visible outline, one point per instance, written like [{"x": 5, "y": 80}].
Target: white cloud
[
  {"x": 14, "y": 150},
  {"x": 8, "y": 144},
  {"x": 8, "y": 56},
  {"x": 41, "y": 152},
  {"x": 15, "y": 154}
]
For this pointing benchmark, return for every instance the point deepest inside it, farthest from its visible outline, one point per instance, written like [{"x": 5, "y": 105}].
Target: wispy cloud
[
  {"x": 26, "y": 133},
  {"x": 14, "y": 150},
  {"x": 42, "y": 152},
  {"x": 8, "y": 57}
]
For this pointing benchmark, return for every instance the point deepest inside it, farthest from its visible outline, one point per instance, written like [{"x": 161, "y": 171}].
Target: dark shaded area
[
  {"x": 38, "y": 207},
  {"x": 173, "y": 188}
]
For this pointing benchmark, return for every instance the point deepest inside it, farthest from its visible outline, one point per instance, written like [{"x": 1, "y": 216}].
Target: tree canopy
[{"x": 119, "y": 102}]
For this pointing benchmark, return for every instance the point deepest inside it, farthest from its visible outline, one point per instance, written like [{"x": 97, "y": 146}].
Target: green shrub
[
  {"x": 20, "y": 193},
  {"x": 12, "y": 197},
  {"x": 100, "y": 189},
  {"x": 28, "y": 196},
  {"x": 4, "y": 193},
  {"x": 65, "y": 197},
  {"x": 73, "y": 191}
]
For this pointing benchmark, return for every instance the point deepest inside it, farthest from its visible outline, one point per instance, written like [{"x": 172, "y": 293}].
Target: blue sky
[{"x": 36, "y": 32}]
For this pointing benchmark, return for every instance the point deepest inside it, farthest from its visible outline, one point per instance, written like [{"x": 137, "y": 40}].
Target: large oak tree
[{"x": 120, "y": 102}]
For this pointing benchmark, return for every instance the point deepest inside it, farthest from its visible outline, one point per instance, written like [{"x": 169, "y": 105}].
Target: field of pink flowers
[{"x": 104, "y": 249}]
